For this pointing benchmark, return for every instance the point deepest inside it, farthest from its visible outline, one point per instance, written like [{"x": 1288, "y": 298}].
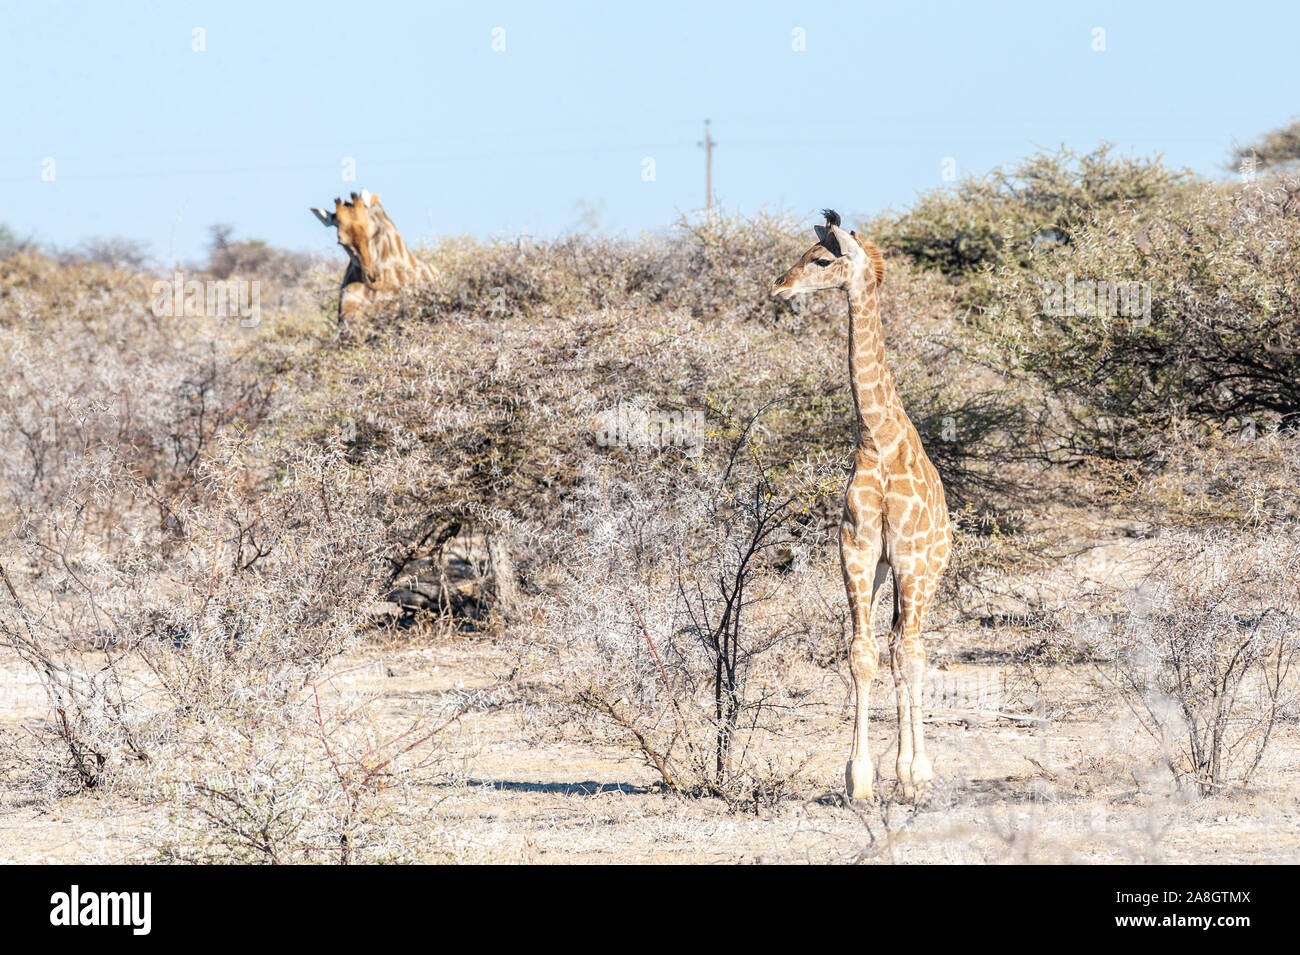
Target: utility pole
[{"x": 708, "y": 145}]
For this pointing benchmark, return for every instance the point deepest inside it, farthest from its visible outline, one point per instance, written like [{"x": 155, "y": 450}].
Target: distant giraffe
[
  {"x": 895, "y": 517},
  {"x": 379, "y": 262}
]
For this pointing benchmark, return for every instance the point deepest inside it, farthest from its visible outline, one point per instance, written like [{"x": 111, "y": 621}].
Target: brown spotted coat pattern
[{"x": 379, "y": 263}]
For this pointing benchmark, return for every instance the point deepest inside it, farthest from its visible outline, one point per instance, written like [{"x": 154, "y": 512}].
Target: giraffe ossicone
[{"x": 895, "y": 516}]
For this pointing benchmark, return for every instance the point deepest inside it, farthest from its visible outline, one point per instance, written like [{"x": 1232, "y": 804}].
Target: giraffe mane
[{"x": 875, "y": 255}]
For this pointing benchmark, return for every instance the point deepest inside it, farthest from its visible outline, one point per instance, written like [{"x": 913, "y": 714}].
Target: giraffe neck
[
  {"x": 874, "y": 396},
  {"x": 396, "y": 264}
]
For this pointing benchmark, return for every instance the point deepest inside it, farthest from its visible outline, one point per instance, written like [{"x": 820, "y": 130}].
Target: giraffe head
[
  {"x": 358, "y": 222},
  {"x": 839, "y": 260}
]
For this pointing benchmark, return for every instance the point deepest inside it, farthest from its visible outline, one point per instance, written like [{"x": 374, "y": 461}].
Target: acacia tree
[
  {"x": 1012, "y": 214},
  {"x": 1201, "y": 329},
  {"x": 1277, "y": 149}
]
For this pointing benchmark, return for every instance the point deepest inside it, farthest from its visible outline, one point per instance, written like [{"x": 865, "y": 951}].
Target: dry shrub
[
  {"x": 196, "y": 680},
  {"x": 1235, "y": 478},
  {"x": 314, "y": 777},
  {"x": 115, "y": 252},
  {"x": 681, "y": 615},
  {"x": 252, "y": 258},
  {"x": 1205, "y": 651},
  {"x": 181, "y": 578},
  {"x": 260, "y": 591}
]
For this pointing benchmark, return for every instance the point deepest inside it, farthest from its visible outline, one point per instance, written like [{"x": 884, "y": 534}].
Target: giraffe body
[
  {"x": 895, "y": 517},
  {"x": 379, "y": 262}
]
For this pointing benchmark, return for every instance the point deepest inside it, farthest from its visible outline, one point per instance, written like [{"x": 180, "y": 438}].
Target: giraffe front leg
[
  {"x": 859, "y": 774},
  {"x": 862, "y": 579}
]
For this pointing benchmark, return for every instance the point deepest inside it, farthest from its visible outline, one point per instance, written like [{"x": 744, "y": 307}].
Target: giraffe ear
[
  {"x": 326, "y": 218},
  {"x": 365, "y": 197},
  {"x": 847, "y": 243}
]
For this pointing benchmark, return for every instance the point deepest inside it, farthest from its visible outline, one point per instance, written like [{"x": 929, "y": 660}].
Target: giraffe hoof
[
  {"x": 916, "y": 779},
  {"x": 922, "y": 771},
  {"x": 859, "y": 779}
]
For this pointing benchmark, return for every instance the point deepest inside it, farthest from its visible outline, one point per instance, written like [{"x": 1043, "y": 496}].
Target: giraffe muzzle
[{"x": 786, "y": 295}]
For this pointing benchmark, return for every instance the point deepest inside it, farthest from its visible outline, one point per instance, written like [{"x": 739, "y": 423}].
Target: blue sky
[{"x": 154, "y": 140}]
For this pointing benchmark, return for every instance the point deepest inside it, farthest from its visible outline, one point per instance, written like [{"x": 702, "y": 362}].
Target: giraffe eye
[{"x": 822, "y": 262}]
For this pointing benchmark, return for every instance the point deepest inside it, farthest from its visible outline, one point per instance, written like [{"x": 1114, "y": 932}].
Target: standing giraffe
[
  {"x": 895, "y": 517},
  {"x": 378, "y": 260}
]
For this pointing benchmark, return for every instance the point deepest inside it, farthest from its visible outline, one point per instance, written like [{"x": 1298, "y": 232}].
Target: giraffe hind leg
[{"x": 907, "y": 663}]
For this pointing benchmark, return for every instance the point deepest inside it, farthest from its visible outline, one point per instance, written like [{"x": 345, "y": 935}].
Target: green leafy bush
[
  {"x": 1183, "y": 310},
  {"x": 1010, "y": 215}
]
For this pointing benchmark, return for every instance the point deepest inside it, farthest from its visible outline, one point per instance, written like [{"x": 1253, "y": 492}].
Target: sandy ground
[{"x": 1080, "y": 788}]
